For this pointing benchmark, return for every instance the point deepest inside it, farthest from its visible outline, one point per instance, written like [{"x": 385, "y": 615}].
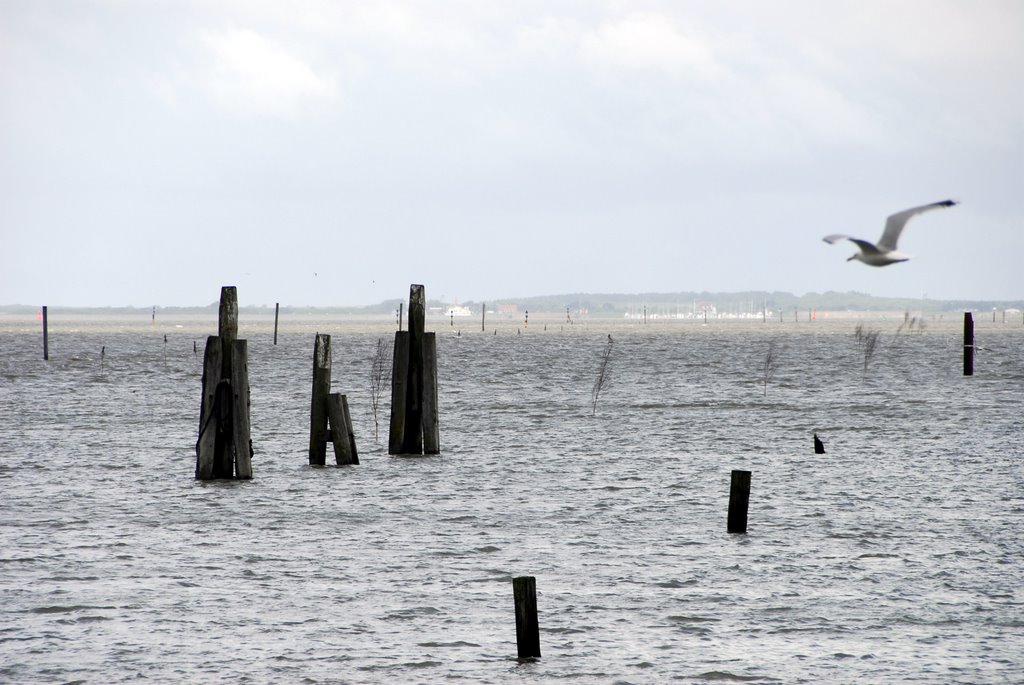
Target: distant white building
[{"x": 457, "y": 310}]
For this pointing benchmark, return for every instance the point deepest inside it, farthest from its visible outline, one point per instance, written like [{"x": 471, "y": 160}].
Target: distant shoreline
[{"x": 604, "y": 305}]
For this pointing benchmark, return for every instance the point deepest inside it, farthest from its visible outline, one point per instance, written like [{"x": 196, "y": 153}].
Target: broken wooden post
[
  {"x": 414, "y": 428},
  {"x": 224, "y": 445},
  {"x": 968, "y": 344},
  {"x": 277, "y": 309},
  {"x": 739, "y": 500},
  {"x": 329, "y": 419},
  {"x": 341, "y": 434},
  {"x": 524, "y": 591},
  {"x": 318, "y": 404},
  {"x": 46, "y": 337}
]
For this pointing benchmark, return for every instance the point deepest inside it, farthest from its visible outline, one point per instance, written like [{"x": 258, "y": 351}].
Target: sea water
[{"x": 894, "y": 557}]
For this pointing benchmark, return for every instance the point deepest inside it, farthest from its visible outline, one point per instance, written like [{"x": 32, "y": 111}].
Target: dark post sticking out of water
[
  {"x": 277, "y": 309},
  {"x": 414, "y": 421},
  {"x": 46, "y": 337},
  {"x": 483, "y": 317},
  {"x": 968, "y": 344},
  {"x": 224, "y": 447},
  {"x": 524, "y": 590},
  {"x": 329, "y": 419},
  {"x": 739, "y": 500}
]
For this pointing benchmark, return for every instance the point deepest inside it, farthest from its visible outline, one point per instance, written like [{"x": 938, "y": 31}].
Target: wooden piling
[
  {"x": 46, "y": 337},
  {"x": 277, "y": 310},
  {"x": 207, "y": 442},
  {"x": 483, "y": 317},
  {"x": 431, "y": 432},
  {"x": 240, "y": 438},
  {"x": 413, "y": 428},
  {"x": 399, "y": 389},
  {"x": 412, "y": 440},
  {"x": 340, "y": 436},
  {"x": 224, "y": 445},
  {"x": 351, "y": 430},
  {"x": 318, "y": 415},
  {"x": 227, "y": 325},
  {"x": 968, "y": 344},
  {"x": 524, "y": 591},
  {"x": 739, "y": 500}
]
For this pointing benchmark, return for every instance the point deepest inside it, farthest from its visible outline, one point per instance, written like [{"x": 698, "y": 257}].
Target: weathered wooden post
[
  {"x": 329, "y": 420},
  {"x": 739, "y": 500},
  {"x": 46, "y": 337},
  {"x": 483, "y": 317},
  {"x": 224, "y": 447},
  {"x": 277, "y": 310},
  {"x": 968, "y": 344},
  {"x": 414, "y": 421},
  {"x": 318, "y": 404},
  {"x": 524, "y": 591}
]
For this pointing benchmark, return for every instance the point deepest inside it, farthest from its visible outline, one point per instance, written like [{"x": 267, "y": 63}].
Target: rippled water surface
[{"x": 894, "y": 557}]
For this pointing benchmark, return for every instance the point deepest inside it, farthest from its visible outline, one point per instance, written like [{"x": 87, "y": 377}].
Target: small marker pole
[
  {"x": 46, "y": 338},
  {"x": 739, "y": 500},
  {"x": 277, "y": 309},
  {"x": 524, "y": 589},
  {"x": 968, "y": 344}
]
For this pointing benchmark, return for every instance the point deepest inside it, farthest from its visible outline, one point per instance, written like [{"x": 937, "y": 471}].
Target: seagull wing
[
  {"x": 895, "y": 223},
  {"x": 835, "y": 238},
  {"x": 865, "y": 246}
]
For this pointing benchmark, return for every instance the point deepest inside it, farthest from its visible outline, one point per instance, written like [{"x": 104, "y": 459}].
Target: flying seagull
[{"x": 885, "y": 253}]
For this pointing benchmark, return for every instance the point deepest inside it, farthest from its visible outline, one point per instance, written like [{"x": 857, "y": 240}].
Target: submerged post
[
  {"x": 968, "y": 344},
  {"x": 46, "y": 338},
  {"x": 277, "y": 309},
  {"x": 524, "y": 591},
  {"x": 739, "y": 500}
]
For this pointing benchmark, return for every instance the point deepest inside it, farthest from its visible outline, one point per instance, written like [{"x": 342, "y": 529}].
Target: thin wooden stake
[
  {"x": 46, "y": 337},
  {"x": 524, "y": 591},
  {"x": 968, "y": 344},
  {"x": 277, "y": 310}
]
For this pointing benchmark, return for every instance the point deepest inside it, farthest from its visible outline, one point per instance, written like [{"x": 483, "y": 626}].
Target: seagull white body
[{"x": 885, "y": 252}]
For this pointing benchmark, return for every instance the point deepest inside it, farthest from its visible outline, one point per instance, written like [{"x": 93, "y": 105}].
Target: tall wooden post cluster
[
  {"x": 224, "y": 448},
  {"x": 414, "y": 425},
  {"x": 329, "y": 420}
]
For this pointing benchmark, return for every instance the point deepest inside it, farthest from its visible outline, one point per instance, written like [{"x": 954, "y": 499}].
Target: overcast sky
[{"x": 320, "y": 153}]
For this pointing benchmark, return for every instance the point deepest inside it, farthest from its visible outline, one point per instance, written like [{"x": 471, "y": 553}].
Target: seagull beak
[{"x": 851, "y": 258}]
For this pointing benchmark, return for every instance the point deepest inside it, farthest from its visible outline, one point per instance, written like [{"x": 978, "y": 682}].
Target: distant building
[{"x": 457, "y": 310}]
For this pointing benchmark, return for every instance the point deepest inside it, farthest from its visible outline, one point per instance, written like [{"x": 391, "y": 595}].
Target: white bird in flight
[{"x": 885, "y": 253}]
